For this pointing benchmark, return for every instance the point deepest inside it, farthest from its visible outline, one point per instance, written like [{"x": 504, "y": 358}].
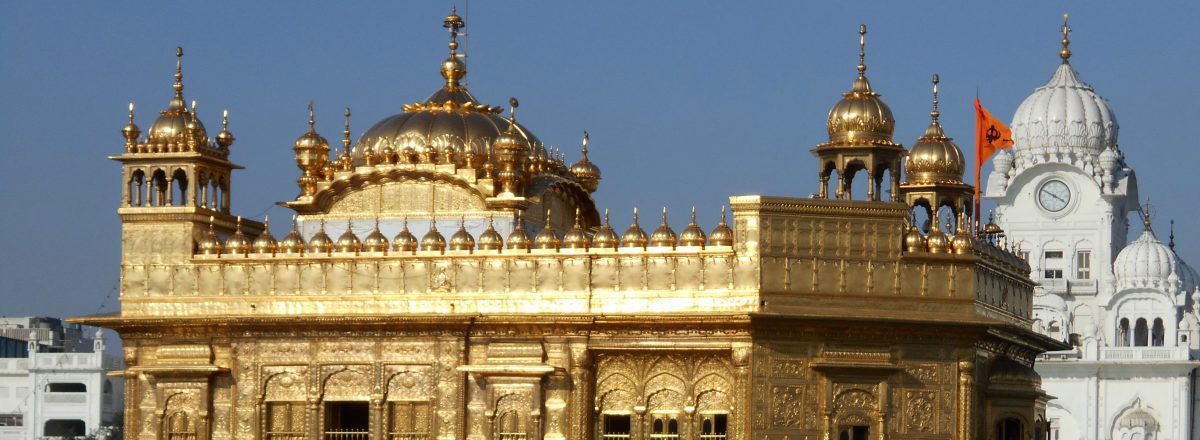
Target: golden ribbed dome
[
  {"x": 586, "y": 171},
  {"x": 433, "y": 240},
  {"x": 375, "y": 241},
  {"x": 934, "y": 158},
  {"x": 238, "y": 243},
  {"x": 576, "y": 238},
  {"x": 448, "y": 126},
  {"x": 293, "y": 243},
  {"x": 311, "y": 147},
  {"x": 962, "y": 243},
  {"x": 225, "y": 138},
  {"x": 348, "y": 241},
  {"x": 692, "y": 235},
  {"x": 404, "y": 241},
  {"x": 265, "y": 243},
  {"x": 664, "y": 236},
  {"x": 320, "y": 243},
  {"x": 174, "y": 122},
  {"x": 518, "y": 238},
  {"x": 131, "y": 130},
  {"x": 634, "y": 236},
  {"x": 936, "y": 242},
  {"x": 721, "y": 235},
  {"x": 462, "y": 240},
  {"x": 490, "y": 240},
  {"x": 547, "y": 238},
  {"x": 605, "y": 237},
  {"x": 211, "y": 245},
  {"x": 861, "y": 117}
]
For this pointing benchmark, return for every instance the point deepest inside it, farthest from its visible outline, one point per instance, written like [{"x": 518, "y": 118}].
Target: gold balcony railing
[{"x": 348, "y": 435}]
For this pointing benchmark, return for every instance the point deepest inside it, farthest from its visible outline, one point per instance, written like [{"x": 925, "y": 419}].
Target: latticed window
[
  {"x": 664, "y": 427},
  {"x": 408, "y": 421},
  {"x": 511, "y": 427},
  {"x": 713, "y": 426},
  {"x": 285, "y": 421},
  {"x": 180, "y": 427},
  {"x": 616, "y": 427}
]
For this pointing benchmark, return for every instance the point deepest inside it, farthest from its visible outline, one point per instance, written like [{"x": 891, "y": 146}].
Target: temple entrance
[
  {"x": 853, "y": 432},
  {"x": 347, "y": 421}
]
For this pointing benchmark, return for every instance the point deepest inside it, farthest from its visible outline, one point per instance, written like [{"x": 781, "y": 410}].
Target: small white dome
[
  {"x": 1064, "y": 116},
  {"x": 1148, "y": 262}
]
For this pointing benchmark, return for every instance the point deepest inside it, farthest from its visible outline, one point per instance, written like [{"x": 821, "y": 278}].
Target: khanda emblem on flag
[{"x": 992, "y": 134}]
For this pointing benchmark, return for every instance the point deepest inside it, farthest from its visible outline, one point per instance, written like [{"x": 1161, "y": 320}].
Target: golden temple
[{"x": 795, "y": 318}]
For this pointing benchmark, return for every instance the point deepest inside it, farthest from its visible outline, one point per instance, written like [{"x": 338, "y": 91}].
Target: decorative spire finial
[
  {"x": 512, "y": 111},
  {"x": 1065, "y": 53},
  {"x": 225, "y": 120},
  {"x": 693, "y": 214},
  {"x": 1147, "y": 211},
  {"x": 454, "y": 23},
  {"x": 131, "y": 117},
  {"x": 935, "y": 113},
  {"x": 862, "y": 50},
  {"x": 583, "y": 149},
  {"x": 312, "y": 120},
  {"x": 1171, "y": 242},
  {"x": 179, "y": 73},
  {"x": 346, "y": 133}
]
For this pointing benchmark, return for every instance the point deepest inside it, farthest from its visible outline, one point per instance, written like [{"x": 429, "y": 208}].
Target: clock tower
[{"x": 1063, "y": 195}]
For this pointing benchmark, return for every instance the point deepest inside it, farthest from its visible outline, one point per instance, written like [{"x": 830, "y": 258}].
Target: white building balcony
[{"x": 1142, "y": 354}]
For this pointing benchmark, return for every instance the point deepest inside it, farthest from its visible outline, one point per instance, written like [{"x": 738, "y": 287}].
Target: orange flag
[{"x": 990, "y": 135}]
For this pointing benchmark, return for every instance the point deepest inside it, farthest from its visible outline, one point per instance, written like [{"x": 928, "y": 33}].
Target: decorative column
[{"x": 966, "y": 385}]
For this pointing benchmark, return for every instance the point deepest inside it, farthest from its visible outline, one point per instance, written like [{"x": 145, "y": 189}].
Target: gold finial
[
  {"x": 312, "y": 120},
  {"x": 1065, "y": 53},
  {"x": 512, "y": 111},
  {"x": 454, "y": 23},
  {"x": 131, "y": 115},
  {"x": 664, "y": 215},
  {"x": 1147, "y": 211},
  {"x": 193, "y": 109},
  {"x": 935, "y": 113},
  {"x": 225, "y": 120},
  {"x": 1171, "y": 242},
  {"x": 179, "y": 73},
  {"x": 582, "y": 149},
  {"x": 862, "y": 50},
  {"x": 131, "y": 130},
  {"x": 635, "y": 215},
  {"x": 346, "y": 133}
]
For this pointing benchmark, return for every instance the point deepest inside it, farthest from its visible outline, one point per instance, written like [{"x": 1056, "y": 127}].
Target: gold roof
[
  {"x": 861, "y": 117},
  {"x": 176, "y": 122},
  {"x": 934, "y": 158}
]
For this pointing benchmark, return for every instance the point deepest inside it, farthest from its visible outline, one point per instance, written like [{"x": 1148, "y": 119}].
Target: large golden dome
[{"x": 861, "y": 117}]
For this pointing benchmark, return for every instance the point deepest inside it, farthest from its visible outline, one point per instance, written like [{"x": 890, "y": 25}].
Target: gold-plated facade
[{"x": 800, "y": 318}]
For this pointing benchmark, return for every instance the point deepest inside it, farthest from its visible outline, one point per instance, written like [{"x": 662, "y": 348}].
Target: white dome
[
  {"x": 1148, "y": 262},
  {"x": 1064, "y": 116}
]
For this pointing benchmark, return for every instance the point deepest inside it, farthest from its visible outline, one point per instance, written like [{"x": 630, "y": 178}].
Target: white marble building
[
  {"x": 55, "y": 385},
  {"x": 1064, "y": 196}
]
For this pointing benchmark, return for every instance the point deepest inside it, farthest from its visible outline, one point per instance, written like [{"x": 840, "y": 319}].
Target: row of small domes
[{"x": 462, "y": 240}]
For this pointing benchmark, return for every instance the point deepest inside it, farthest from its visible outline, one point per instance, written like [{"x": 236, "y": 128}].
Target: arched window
[
  {"x": 1123, "y": 333},
  {"x": 1009, "y": 429},
  {"x": 135, "y": 187},
  {"x": 1141, "y": 333},
  {"x": 1157, "y": 333},
  {"x": 180, "y": 190}
]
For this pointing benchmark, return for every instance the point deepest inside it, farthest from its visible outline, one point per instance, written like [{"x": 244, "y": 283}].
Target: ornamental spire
[
  {"x": 1065, "y": 53},
  {"x": 935, "y": 113},
  {"x": 178, "y": 101},
  {"x": 862, "y": 50}
]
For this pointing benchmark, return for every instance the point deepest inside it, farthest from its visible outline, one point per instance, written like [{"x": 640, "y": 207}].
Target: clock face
[{"x": 1054, "y": 195}]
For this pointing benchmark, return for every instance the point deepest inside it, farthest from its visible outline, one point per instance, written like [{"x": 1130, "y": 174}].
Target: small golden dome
[
  {"x": 664, "y": 236},
  {"x": 692, "y": 235},
  {"x": 375, "y": 241},
  {"x": 490, "y": 240},
  {"x": 225, "y": 138},
  {"x": 433, "y": 240},
  {"x": 934, "y": 158},
  {"x": 634, "y": 237},
  {"x": 348, "y": 241},
  {"x": 547, "y": 238},
  {"x": 131, "y": 130},
  {"x": 991, "y": 228},
  {"x": 721, "y": 235},
  {"x": 211, "y": 245},
  {"x": 320, "y": 243},
  {"x": 585, "y": 171},
  {"x": 576, "y": 238},
  {"x": 913, "y": 240},
  {"x": 462, "y": 240},
  {"x": 861, "y": 117},
  {"x": 936, "y": 242},
  {"x": 293, "y": 243},
  {"x": 311, "y": 149},
  {"x": 962, "y": 243},
  {"x": 518, "y": 238},
  {"x": 605, "y": 237},
  {"x": 175, "y": 122},
  {"x": 404, "y": 241},
  {"x": 265, "y": 243},
  {"x": 238, "y": 243}
]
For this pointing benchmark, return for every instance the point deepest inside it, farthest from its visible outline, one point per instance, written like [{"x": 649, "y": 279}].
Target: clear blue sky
[{"x": 687, "y": 102}]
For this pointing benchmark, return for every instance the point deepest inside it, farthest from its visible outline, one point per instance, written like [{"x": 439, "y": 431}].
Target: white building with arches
[{"x": 1064, "y": 196}]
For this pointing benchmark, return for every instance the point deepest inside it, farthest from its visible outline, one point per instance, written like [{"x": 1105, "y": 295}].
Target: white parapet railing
[{"x": 1136, "y": 354}]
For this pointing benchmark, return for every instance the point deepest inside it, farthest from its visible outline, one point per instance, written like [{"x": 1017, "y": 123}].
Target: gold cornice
[
  {"x": 818, "y": 207},
  {"x": 179, "y": 156}
]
